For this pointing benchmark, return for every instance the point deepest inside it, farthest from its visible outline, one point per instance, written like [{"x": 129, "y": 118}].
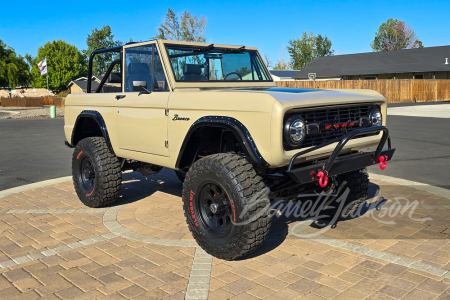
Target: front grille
[{"x": 331, "y": 116}]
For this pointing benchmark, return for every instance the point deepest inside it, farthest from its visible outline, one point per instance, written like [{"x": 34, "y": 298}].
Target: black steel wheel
[
  {"x": 214, "y": 208},
  {"x": 87, "y": 173}
]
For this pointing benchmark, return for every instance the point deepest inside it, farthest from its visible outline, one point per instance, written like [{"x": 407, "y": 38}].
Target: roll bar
[{"x": 91, "y": 59}]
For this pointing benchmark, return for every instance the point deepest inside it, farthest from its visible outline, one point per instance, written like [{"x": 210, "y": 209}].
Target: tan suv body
[
  {"x": 144, "y": 127},
  {"x": 174, "y": 104}
]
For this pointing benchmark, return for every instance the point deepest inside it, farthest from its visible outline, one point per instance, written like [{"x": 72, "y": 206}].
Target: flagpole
[{"x": 48, "y": 92}]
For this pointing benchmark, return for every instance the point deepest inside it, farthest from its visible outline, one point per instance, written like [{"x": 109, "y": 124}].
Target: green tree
[
  {"x": 64, "y": 64},
  {"x": 31, "y": 61},
  {"x": 185, "y": 27},
  {"x": 101, "y": 38},
  {"x": 13, "y": 68},
  {"x": 395, "y": 35},
  {"x": 305, "y": 49},
  {"x": 323, "y": 46}
]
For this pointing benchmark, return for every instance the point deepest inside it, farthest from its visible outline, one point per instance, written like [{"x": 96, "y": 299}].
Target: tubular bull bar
[{"x": 338, "y": 165}]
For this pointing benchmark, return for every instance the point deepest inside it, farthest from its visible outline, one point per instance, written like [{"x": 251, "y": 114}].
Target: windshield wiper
[
  {"x": 209, "y": 47},
  {"x": 237, "y": 50},
  {"x": 204, "y": 49}
]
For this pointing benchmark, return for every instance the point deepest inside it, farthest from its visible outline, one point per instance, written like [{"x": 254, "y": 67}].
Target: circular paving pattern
[
  {"x": 53, "y": 246},
  {"x": 159, "y": 215}
]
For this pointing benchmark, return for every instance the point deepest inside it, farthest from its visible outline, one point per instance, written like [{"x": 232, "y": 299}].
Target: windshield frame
[{"x": 231, "y": 49}]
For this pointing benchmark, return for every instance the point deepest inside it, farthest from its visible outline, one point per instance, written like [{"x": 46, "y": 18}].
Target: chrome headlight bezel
[
  {"x": 376, "y": 117},
  {"x": 294, "y": 136}
]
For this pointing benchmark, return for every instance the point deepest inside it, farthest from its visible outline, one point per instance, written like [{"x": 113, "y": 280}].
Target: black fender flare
[
  {"x": 239, "y": 130},
  {"x": 97, "y": 117}
]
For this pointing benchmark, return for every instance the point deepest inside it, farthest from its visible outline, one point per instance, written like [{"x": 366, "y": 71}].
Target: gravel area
[{"x": 29, "y": 113}]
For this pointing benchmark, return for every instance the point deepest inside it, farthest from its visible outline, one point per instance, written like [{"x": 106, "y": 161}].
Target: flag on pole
[{"x": 43, "y": 66}]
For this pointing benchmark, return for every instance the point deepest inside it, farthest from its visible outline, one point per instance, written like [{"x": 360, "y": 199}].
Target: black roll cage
[
  {"x": 91, "y": 59},
  {"x": 118, "y": 49},
  {"x": 111, "y": 67}
]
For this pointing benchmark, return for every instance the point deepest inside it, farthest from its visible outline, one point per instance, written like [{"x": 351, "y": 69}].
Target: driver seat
[
  {"x": 192, "y": 72},
  {"x": 139, "y": 72}
]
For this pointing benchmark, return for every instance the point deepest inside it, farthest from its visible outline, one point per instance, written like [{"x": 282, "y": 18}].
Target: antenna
[{"x": 446, "y": 61}]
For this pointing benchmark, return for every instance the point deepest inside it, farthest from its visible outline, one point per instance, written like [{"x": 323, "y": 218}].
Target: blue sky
[{"x": 268, "y": 25}]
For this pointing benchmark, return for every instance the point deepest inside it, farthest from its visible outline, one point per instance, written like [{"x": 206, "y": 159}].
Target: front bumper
[{"x": 334, "y": 165}]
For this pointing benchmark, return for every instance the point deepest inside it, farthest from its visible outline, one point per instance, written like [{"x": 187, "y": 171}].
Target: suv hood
[{"x": 295, "y": 97}]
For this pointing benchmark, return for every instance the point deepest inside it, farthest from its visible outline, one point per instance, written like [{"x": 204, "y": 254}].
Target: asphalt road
[
  {"x": 422, "y": 150},
  {"x": 33, "y": 150}
]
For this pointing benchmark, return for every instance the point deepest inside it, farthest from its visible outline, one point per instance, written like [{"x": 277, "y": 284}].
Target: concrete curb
[
  {"x": 31, "y": 186},
  {"x": 412, "y": 184},
  {"x": 9, "y": 111}
]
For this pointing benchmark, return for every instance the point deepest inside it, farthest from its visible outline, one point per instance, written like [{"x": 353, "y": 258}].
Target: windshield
[{"x": 210, "y": 64}]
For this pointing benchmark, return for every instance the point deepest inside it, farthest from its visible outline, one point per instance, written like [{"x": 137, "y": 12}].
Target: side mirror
[{"x": 140, "y": 86}]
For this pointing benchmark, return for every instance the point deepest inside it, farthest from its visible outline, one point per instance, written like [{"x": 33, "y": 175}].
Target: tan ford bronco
[{"x": 213, "y": 114}]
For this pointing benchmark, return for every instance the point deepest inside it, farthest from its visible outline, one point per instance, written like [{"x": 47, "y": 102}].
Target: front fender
[{"x": 240, "y": 131}]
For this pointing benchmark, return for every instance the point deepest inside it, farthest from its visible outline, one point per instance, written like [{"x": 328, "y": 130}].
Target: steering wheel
[{"x": 231, "y": 74}]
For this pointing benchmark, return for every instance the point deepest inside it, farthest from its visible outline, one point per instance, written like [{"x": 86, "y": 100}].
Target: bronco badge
[{"x": 177, "y": 118}]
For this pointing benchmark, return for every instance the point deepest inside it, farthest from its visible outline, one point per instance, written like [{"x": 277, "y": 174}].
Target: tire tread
[
  {"x": 110, "y": 173},
  {"x": 245, "y": 181}
]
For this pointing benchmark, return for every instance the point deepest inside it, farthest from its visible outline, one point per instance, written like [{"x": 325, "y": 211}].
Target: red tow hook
[
  {"x": 383, "y": 161},
  {"x": 323, "y": 178}
]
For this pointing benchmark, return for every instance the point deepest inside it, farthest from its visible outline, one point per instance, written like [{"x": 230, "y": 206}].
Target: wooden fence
[
  {"x": 56, "y": 101},
  {"x": 398, "y": 90},
  {"x": 33, "y": 102}
]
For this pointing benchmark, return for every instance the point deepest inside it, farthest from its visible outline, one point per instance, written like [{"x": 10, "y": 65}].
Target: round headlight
[
  {"x": 375, "y": 117},
  {"x": 294, "y": 131},
  {"x": 297, "y": 131}
]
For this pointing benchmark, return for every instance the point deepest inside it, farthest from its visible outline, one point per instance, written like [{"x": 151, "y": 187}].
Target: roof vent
[{"x": 446, "y": 61}]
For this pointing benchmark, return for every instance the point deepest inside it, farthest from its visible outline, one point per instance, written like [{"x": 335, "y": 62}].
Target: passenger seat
[{"x": 192, "y": 72}]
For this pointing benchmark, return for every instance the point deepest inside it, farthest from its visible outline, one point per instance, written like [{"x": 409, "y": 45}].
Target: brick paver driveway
[{"x": 54, "y": 247}]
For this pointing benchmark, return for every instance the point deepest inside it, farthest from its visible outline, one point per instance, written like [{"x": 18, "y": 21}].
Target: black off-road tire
[
  {"x": 358, "y": 183},
  {"x": 181, "y": 176},
  {"x": 245, "y": 188},
  {"x": 108, "y": 174}
]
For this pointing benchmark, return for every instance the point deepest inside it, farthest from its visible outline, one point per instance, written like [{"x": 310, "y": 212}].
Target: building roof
[
  {"x": 95, "y": 77},
  {"x": 98, "y": 78},
  {"x": 81, "y": 79},
  {"x": 283, "y": 73},
  {"x": 428, "y": 59},
  {"x": 82, "y": 84}
]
